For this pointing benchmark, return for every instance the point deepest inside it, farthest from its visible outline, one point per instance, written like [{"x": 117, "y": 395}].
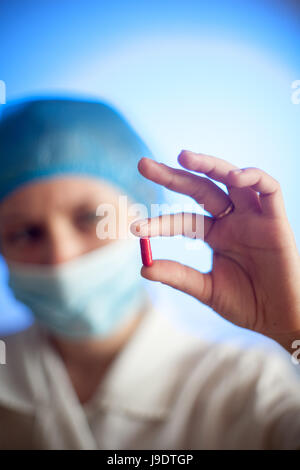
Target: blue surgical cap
[{"x": 55, "y": 137}]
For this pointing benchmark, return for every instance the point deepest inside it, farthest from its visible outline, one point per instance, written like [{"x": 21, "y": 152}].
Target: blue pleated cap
[{"x": 55, "y": 137}]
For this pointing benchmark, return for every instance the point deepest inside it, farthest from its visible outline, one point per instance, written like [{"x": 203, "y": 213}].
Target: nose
[{"x": 62, "y": 244}]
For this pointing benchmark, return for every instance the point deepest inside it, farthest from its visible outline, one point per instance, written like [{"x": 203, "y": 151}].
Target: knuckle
[
  {"x": 276, "y": 183},
  {"x": 170, "y": 182}
]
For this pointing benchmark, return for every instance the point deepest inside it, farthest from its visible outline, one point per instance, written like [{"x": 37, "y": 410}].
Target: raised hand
[{"x": 255, "y": 278}]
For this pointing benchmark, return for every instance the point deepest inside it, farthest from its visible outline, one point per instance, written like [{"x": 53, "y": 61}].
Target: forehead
[{"x": 58, "y": 194}]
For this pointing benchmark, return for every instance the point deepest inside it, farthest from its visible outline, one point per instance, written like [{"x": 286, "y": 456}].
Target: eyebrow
[
  {"x": 87, "y": 204},
  {"x": 12, "y": 215}
]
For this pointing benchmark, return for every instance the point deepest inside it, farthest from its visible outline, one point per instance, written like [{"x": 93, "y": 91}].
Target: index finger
[
  {"x": 189, "y": 224},
  {"x": 202, "y": 189}
]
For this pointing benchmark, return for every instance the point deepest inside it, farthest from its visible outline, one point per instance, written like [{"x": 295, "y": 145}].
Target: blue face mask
[{"x": 92, "y": 295}]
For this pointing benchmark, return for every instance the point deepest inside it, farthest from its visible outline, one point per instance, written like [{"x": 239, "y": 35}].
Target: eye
[{"x": 31, "y": 234}]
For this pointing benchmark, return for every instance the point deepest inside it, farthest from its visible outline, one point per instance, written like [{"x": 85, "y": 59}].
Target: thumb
[{"x": 181, "y": 277}]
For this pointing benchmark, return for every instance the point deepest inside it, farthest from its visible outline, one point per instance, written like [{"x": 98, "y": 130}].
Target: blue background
[{"x": 213, "y": 77}]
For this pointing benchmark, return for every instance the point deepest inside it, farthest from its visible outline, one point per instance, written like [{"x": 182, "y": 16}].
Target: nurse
[
  {"x": 66, "y": 165},
  {"x": 101, "y": 368}
]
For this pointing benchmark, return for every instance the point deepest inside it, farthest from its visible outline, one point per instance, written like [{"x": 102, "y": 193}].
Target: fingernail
[
  {"x": 237, "y": 171},
  {"x": 141, "y": 223}
]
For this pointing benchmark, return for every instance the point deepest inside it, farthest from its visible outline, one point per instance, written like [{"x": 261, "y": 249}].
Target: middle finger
[
  {"x": 201, "y": 189},
  {"x": 219, "y": 169}
]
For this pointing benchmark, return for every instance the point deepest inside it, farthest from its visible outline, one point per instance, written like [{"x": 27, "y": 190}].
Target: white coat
[{"x": 166, "y": 390}]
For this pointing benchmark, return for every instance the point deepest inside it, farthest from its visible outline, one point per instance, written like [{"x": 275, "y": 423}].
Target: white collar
[{"x": 140, "y": 382}]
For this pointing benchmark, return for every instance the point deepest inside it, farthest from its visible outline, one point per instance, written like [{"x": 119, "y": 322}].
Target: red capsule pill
[{"x": 146, "y": 251}]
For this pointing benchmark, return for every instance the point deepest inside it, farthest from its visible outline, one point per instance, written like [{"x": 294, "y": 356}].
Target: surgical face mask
[{"x": 89, "y": 296}]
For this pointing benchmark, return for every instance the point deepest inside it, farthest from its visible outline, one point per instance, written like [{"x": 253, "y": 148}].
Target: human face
[{"x": 53, "y": 221}]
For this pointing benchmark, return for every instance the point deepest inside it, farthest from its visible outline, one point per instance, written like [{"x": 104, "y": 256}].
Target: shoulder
[
  {"x": 170, "y": 341},
  {"x": 224, "y": 358},
  {"x": 232, "y": 368},
  {"x": 21, "y": 359},
  {"x": 253, "y": 392},
  {"x": 18, "y": 345}
]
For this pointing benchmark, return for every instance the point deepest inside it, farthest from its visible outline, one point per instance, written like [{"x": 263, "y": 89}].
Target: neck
[{"x": 96, "y": 352}]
